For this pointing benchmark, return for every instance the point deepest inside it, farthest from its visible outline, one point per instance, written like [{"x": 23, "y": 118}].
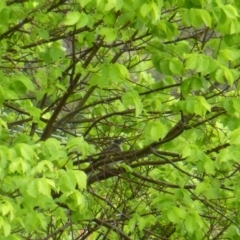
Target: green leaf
[
  {"x": 32, "y": 189},
  {"x": 164, "y": 67},
  {"x": 200, "y": 63},
  {"x": 228, "y": 105},
  {"x": 26, "y": 151},
  {"x": 228, "y": 54},
  {"x": 35, "y": 113},
  {"x": 196, "y": 17},
  {"x": 2, "y": 95},
  {"x": 83, "y": 20},
  {"x": 72, "y": 18},
  {"x": 2, "y": 124},
  {"x": 78, "y": 144},
  {"x": 97, "y": 80},
  {"x": 2, "y": 4},
  {"x": 27, "y": 82},
  {"x": 123, "y": 71},
  {"x": 202, "y": 187},
  {"x": 5, "y": 14},
  {"x": 236, "y": 104},
  {"x": 44, "y": 34},
  {"x": 83, "y": 3},
  {"x": 79, "y": 199},
  {"x": 142, "y": 222},
  {"x": 194, "y": 104},
  {"x": 145, "y": 9},
  {"x": 176, "y": 214},
  {"x": 7, "y": 209},
  {"x": 234, "y": 137},
  {"x": 45, "y": 56},
  {"x": 229, "y": 74},
  {"x": 193, "y": 222},
  {"x": 6, "y": 228},
  {"x": 155, "y": 173},
  {"x": 132, "y": 223},
  {"x": 56, "y": 52},
  {"x": 52, "y": 148},
  {"x": 156, "y": 13},
  {"x": 230, "y": 11},
  {"x": 225, "y": 159},
  {"x": 43, "y": 166},
  {"x": 44, "y": 186},
  {"x": 206, "y": 18},
  {"x": 176, "y": 66},
  {"x": 185, "y": 16},
  {"x": 81, "y": 179},
  {"x": 138, "y": 103},
  {"x": 204, "y": 103},
  {"x": 164, "y": 29},
  {"x": 75, "y": 200},
  {"x": 234, "y": 26},
  {"x": 110, "y": 5},
  {"x": 67, "y": 181},
  {"x": 19, "y": 165},
  {"x": 208, "y": 165},
  {"x": 109, "y": 34},
  {"x": 155, "y": 131},
  {"x": 131, "y": 99}
]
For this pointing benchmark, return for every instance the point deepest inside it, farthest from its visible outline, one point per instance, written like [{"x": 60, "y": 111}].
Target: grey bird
[{"x": 115, "y": 146}]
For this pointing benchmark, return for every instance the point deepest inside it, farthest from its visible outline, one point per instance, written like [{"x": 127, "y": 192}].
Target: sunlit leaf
[{"x": 72, "y": 18}]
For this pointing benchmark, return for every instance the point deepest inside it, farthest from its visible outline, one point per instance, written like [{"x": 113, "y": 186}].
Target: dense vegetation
[{"x": 76, "y": 75}]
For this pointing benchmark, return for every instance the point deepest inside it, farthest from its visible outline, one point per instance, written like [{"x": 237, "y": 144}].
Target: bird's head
[{"x": 118, "y": 140}]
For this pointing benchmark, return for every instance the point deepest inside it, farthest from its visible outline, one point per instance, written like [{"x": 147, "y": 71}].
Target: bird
[{"x": 115, "y": 146}]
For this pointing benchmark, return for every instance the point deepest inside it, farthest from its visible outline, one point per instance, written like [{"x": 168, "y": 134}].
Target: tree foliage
[{"x": 77, "y": 74}]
